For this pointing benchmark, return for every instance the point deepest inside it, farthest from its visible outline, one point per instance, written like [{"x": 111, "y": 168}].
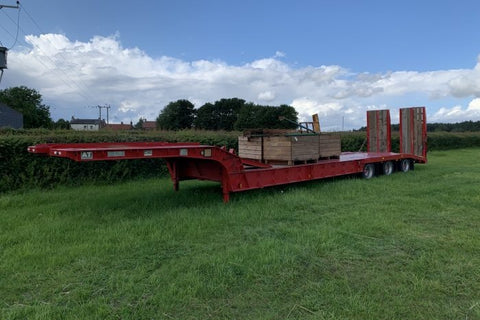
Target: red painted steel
[{"x": 194, "y": 161}]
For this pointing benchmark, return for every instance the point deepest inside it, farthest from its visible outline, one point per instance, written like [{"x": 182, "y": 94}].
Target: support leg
[
  {"x": 226, "y": 197},
  {"x": 172, "y": 168}
]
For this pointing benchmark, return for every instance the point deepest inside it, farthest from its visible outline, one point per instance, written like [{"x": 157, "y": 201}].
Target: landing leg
[
  {"x": 226, "y": 197},
  {"x": 172, "y": 169}
]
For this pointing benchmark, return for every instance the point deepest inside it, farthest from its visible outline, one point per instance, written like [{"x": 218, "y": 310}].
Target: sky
[{"x": 337, "y": 58}]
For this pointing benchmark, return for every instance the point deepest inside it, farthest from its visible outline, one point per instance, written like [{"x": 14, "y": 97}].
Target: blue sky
[{"x": 335, "y": 58}]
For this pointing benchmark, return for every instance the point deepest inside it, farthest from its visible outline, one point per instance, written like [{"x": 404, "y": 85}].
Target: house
[
  {"x": 149, "y": 125},
  {"x": 10, "y": 118},
  {"x": 119, "y": 127},
  {"x": 87, "y": 124}
]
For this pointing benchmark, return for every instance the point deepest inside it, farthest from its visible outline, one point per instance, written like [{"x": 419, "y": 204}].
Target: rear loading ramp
[
  {"x": 413, "y": 131},
  {"x": 379, "y": 131}
]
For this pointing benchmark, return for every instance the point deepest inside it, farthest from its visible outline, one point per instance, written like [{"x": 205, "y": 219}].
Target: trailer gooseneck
[{"x": 195, "y": 161}]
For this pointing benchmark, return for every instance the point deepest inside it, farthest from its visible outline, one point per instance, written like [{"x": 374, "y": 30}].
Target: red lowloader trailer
[{"x": 195, "y": 161}]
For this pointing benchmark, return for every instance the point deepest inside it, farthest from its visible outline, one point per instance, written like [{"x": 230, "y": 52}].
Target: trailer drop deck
[{"x": 195, "y": 161}]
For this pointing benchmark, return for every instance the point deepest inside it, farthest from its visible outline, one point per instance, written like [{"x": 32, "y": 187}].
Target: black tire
[
  {"x": 405, "y": 165},
  {"x": 387, "y": 168},
  {"x": 368, "y": 171}
]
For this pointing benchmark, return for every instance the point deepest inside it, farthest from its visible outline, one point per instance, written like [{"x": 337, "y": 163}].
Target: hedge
[
  {"x": 356, "y": 141},
  {"x": 19, "y": 169}
]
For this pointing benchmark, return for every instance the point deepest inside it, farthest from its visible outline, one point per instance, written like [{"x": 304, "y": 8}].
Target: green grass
[{"x": 399, "y": 247}]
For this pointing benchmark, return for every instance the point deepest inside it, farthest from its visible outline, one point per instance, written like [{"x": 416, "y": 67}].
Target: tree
[
  {"x": 253, "y": 116},
  {"x": 29, "y": 103},
  {"x": 248, "y": 117},
  {"x": 221, "y": 115},
  {"x": 139, "y": 124},
  {"x": 176, "y": 115},
  {"x": 206, "y": 117},
  {"x": 61, "y": 124}
]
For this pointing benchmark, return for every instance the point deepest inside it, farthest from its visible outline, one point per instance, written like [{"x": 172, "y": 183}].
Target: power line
[
  {"x": 18, "y": 27},
  {"x": 4, "y": 50},
  {"x": 100, "y": 111},
  {"x": 31, "y": 18},
  {"x": 17, "y": 23},
  {"x": 7, "y": 31},
  {"x": 85, "y": 88},
  {"x": 66, "y": 78}
]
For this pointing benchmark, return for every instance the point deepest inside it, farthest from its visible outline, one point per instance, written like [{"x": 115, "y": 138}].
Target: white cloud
[
  {"x": 72, "y": 75},
  {"x": 474, "y": 105},
  {"x": 458, "y": 113},
  {"x": 266, "y": 96}
]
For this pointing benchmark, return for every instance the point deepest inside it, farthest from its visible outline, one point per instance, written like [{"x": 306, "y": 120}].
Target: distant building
[
  {"x": 10, "y": 118},
  {"x": 149, "y": 125},
  {"x": 87, "y": 124},
  {"x": 119, "y": 127}
]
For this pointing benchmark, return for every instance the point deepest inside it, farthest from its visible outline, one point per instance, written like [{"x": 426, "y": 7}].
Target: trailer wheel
[
  {"x": 405, "y": 165},
  {"x": 387, "y": 168},
  {"x": 368, "y": 171}
]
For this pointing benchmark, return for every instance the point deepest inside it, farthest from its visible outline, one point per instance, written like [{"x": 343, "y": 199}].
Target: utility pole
[
  {"x": 4, "y": 50},
  {"x": 108, "y": 108},
  {"x": 100, "y": 111},
  {"x": 12, "y": 7}
]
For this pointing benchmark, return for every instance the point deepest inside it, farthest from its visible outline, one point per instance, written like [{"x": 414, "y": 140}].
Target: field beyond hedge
[
  {"x": 21, "y": 170},
  {"x": 403, "y": 246}
]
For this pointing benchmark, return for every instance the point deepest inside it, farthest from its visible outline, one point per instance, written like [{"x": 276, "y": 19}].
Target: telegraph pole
[
  {"x": 4, "y": 50},
  {"x": 12, "y": 7},
  {"x": 100, "y": 111},
  {"x": 108, "y": 108}
]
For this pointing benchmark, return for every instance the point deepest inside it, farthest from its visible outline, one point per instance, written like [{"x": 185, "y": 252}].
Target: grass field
[{"x": 405, "y": 246}]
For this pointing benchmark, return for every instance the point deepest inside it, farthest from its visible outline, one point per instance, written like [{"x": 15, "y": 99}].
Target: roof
[
  {"x": 149, "y": 125},
  {"x": 87, "y": 121},
  {"x": 118, "y": 126},
  {"x": 5, "y": 108}
]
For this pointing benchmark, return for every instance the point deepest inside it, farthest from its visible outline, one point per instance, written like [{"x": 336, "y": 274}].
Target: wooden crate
[
  {"x": 329, "y": 146},
  {"x": 290, "y": 149},
  {"x": 250, "y": 148}
]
